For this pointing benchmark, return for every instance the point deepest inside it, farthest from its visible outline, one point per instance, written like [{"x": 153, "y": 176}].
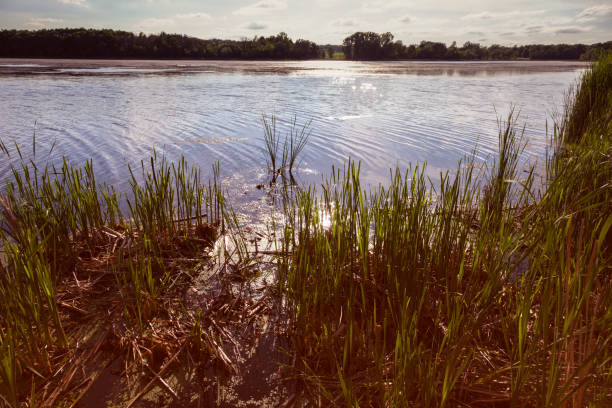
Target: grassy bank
[
  {"x": 82, "y": 284},
  {"x": 470, "y": 292},
  {"x": 474, "y": 291}
]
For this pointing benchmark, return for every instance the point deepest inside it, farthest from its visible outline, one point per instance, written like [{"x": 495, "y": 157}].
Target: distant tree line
[
  {"x": 374, "y": 46},
  {"x": 90, "y": 43}
]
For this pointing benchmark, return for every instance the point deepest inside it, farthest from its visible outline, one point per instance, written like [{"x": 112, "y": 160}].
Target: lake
[{"x": 380, "y": 113}]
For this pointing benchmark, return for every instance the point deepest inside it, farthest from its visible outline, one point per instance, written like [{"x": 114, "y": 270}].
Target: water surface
[{"x": 380, "y": 113}]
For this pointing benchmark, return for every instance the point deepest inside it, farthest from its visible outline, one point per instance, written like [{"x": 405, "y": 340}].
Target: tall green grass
[
  {"x": 587, "y": 109},
  {"x": 470, "y": 291},
  {"x": 55, "y": 222},
  {"x": 282, "y": 163},
  {"x": 467, "y": 292}
]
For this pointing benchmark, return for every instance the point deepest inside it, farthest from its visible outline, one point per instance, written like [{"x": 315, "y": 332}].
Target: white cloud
[
  {"x": 342, "y": 22},
  {"x": 484, "y": 15},
  {"x": 595, "y": 12},
  {"x": 194, "y": 16},
  {"x": 155, "y": 24},
  {"x": 81, "y": 3},
  {"x": 255, "y": 26},
  {"x": 41, "y": 22},
  {"x": 379, "y": 6},
  {"x": 490, "y": 15},
  {"x": 327, "y": 4},
  {"x": 405, "y": 19},
  {"x": 571, "y": 30},
  {"x": 533, "y": 29},
  {"x": 176, "y": 24},
  {"x": 262, "y": 7}
]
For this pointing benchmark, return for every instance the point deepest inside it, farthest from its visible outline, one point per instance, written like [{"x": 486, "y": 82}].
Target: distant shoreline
[{"x": 58, "y": 66}]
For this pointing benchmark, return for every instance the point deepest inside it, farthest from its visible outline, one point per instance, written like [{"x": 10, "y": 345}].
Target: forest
[
  {"x": 374, "y": 46},
  {"x": 90, "y": 43},
  {"x": 93, "y": 43}
]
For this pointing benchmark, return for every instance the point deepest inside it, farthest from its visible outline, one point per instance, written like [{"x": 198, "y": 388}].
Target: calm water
[{"x": 381, "y": 114}]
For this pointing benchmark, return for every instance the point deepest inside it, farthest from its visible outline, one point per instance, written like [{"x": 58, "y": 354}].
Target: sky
[{"x": 330, "y": 21}]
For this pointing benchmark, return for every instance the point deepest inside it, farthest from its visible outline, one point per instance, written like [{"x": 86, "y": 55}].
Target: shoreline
[
  {"x": 10, "y": 66},
  {"x": 380, "y": 297}
]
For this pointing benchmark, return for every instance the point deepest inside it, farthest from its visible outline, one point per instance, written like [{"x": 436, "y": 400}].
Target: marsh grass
[
  {"x": 474, "y": 290},
  {"x": 414, "y": 295},
  {"x": 66, "y": 242},
  {"x": 587, "y": 105},
  {"x": 292, "y": 146}
]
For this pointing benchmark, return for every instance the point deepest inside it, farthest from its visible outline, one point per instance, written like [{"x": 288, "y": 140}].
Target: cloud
[
  {"x": 490, "y": 15},
  {"x": 327, "y": 4},
  {"x": 533, "y": 29},
  {"x": 81, "y": 3},
  {"x": 341, "y": 22},
  {"x": 41, "y": 22},
  {"x": 595, "y": 12},
  {"x": 262, "y": 7},
  {"x": 379, "y": 6},
  {"x": 255, "y": 26},
  {"x": 485, "y": 15},
  {"x": 570, "y": 30},
  {"x": 155, "y": 24},
  {"x": 194, "y": 16},
  {"x": 177, "y": 23},
  {"x": 405, "y": 19}
]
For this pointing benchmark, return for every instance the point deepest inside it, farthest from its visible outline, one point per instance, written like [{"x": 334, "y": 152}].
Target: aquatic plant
[
  {"x": 473, "y": 290},
  {"x": 59, "y": 229},
  {"x": 292, "y": 146},
  {"x": 467, "y": 292}
]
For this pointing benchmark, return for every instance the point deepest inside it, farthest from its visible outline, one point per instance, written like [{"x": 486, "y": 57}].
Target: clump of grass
[
  {"x": 272, "y": 143},
  {"x": 587, "y": 108},
  {"x": 292, "y": 146},
  {"x": 8, "y": 369},
  {"x": 59, "y": 229}
]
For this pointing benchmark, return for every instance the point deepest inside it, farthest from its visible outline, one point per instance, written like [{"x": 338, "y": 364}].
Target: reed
[
  {"x": 271, "y": 143},
  {"x": 587, "y": 106},
  {"x": 294, "y": 143},
  {"x": 474, "y": 290},
  {"x": 58, "y": 226},
  {"x": 467, "y": 292}
]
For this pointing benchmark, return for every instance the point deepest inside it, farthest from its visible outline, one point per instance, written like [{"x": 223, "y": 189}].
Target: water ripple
[{"x": 381, "y": 120}]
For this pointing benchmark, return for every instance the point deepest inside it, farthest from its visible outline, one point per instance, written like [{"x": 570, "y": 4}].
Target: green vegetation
[
  {"x": 294, "y": 143},
  {"x": 78, "y": 278},
  {"x": 470, "y": 292},
  {"x": 90, "y": 43},
  {"x": 373, "y": 46},
  {"x": 474, "y": 291}
]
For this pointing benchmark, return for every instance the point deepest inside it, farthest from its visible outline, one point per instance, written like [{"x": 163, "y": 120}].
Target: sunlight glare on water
[{"x": 382, "y": 114}]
